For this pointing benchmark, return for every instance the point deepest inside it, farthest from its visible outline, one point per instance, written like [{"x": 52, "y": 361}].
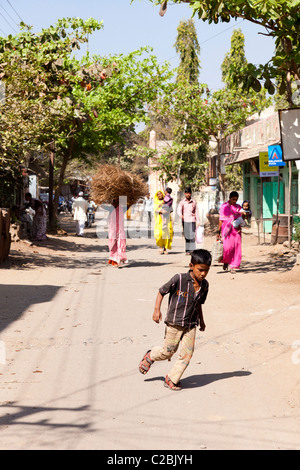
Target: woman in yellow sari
[{"x": 163, "y": 229}]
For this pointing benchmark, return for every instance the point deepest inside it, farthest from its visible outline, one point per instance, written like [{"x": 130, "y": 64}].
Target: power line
[
  {"x": 221, "y": 32},
  {"x": 8, "y": 23},
  {"x": 11, "y": 18},
  {"x": 9, "y": 15},
  {"x": 14, "y": 10}
]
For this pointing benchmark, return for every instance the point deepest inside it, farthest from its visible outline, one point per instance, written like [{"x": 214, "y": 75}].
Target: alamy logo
[{"x": 296, "y": 353}]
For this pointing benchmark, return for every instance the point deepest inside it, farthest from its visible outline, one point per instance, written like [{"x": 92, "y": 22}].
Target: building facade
[{"x": 265, "y": 190}]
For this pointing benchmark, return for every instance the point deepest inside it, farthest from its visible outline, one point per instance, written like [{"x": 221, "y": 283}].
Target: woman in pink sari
[
  {"x": 231, "y": 236},
  {"x": 116, "y": 236}
]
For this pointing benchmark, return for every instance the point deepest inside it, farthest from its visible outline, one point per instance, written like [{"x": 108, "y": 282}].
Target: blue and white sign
[{"x": 275, "y": 155}]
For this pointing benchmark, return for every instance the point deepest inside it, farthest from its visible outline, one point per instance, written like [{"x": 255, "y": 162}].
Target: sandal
[
  {"x": 225, "y": 266},
  {"x": 113, "y": 263},
  {"x": 145, "y": 363},
  {"x": 169, "y": 384}
]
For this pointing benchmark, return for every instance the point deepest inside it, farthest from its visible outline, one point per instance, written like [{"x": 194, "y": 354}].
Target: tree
[
  {"x": 76, "y": 108},
  {"x": 186, "y": 157},
  {"x": 188, "y": 49},
  {"x": 281, "y": 20},
  {"x": 211, "y": 116},
  {"x": 187, "y": 46},
  {"x": 39, "y": 76},
  {"x": 235, "y": 60},
  {"x": 232, "y": 66}
]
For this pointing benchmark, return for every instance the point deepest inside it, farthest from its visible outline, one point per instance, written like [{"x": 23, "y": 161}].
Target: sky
[{"x": 129, "y": 26}]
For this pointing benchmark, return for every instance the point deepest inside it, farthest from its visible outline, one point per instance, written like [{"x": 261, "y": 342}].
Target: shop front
[{"x": 268, "y": 188}]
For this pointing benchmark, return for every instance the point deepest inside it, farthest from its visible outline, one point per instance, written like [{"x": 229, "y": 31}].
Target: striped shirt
[{"x": 184, "y": 304}]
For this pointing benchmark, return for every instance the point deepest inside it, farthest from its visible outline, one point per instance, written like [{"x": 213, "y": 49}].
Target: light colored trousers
[
  {"x": 173, "y": 336},
  {"x": 80, "y": 224}
]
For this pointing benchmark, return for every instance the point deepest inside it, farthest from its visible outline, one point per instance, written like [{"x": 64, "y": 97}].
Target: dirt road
[{"x": 73, "y": 330}]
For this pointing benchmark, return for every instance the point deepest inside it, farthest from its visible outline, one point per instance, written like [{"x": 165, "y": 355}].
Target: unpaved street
[{"x": 73, "y": 330}]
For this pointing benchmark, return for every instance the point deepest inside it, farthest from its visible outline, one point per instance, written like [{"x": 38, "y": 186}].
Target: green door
[{"x": 270, "y": 190}]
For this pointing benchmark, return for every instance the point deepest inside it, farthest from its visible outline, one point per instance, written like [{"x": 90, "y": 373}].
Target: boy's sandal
[
  {"x": 145, "y": 363},
  {"x": 169, "y": 384}
]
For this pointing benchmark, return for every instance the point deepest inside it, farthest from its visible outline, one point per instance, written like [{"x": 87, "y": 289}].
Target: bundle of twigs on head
[{"x": 111, "y": 182}]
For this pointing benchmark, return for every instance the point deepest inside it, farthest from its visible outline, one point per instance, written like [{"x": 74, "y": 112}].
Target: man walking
[
  {"x": 188, "y": 212},
  {"x": 80, "y": 207}
]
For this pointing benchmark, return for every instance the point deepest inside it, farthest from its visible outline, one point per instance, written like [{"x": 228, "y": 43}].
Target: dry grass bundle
[{"x": 110, "y": 182}]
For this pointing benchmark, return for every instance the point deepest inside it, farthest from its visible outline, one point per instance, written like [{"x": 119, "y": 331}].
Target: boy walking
[{"x": 187, "y": 292}]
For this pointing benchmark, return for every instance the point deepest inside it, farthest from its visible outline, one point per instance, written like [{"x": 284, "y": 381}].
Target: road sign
[
  {"x": 290, "y": 136},
  {"x": 264, "y": 169},
  {"x": 275, "y": 155}
]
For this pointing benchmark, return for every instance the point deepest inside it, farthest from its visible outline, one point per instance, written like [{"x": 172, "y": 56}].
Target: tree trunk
[
  {"x": 51, "y": 178},
  {"x": 66, "y": 158}
]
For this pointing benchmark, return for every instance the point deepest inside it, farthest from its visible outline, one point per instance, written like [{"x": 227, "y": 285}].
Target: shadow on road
[
  {"x": 27, "y": 261},
  {"x": 20, "y": 414},
  {"x": 260, "y": 267},
  {"x": 195, "y": 381},
  {"x": 16, "y": 299}
]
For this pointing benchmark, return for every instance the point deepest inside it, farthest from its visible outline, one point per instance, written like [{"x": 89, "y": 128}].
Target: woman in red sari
[{"x": 231, "y": 236}]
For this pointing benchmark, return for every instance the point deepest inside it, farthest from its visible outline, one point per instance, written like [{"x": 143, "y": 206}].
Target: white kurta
[{"x": 80, "y": 206}]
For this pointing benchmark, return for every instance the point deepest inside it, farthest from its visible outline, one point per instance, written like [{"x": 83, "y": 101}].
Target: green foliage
[
  {"x": 136, "y": 160},
  {"x": 187, "y": 46},
  {"x": 78, "y": 107},
  {"x": 39, "y": 77},
  {"x": 281, "y": 20},
  {"x": 234, "y": 177},
  {"x": 186, "y": 156},
  {"x": 233, "y": 68},
  {"x": 185, "y": 161},
  {"x": 235, "y": 60},
  {"x": 11, "y": 179},
  {"x": 205, "y": 116},
  {"x": 123, "y": 101},
  {"x": 198, "y": 116}
]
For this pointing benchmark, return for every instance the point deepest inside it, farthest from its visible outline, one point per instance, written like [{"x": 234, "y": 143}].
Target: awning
[
  {"x": 246, "y": 143},
  {"x": 247, "y": 154}
]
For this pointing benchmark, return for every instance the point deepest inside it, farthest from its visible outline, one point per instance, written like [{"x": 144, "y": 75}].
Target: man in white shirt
[{"x": 79, "y": 209}]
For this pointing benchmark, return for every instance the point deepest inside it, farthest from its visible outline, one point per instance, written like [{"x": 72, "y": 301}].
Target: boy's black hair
[
  {"x": 201, "y": 257},
  {"x": 168, "y": 190}
]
